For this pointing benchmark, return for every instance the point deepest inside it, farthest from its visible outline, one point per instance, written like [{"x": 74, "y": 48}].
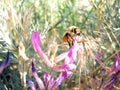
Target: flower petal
[
  {"x": 39, "y": 81},
  {"x": 5, "y": 63},
  {"x": 64, "y": 67},
  {"x": 48, "y": 80},
  {"x": 31, "y": 85},
  {"x": 117, "y": 62},
  {"x": 72, "y": 53},
  {"x": 115, "y": 67},
  {"x": 62, "y": 77},
  {"x": 111, "y": 81},
  {"x": 61, "y": 57},
  {"x": 35, "y": 41},
  {"x": 36, "y": 45}
]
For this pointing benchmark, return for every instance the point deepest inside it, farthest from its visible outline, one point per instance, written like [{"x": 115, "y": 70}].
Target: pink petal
[
  {"x": 35, "y": 41},
  {"x": 116, "y": 64},
  {"x": 39, "y": 81},
  {"x": 72, "y": 53},
  {"x": 64, "y": 67},
  {"x": 48, "y": 80},
  {"x": 31, "y": 85},
  {"x": 61, "y": 57},
  {"x": 36, "y": 45},
  {"x": 44, "y": 57},
  {"x": 62, "y": 76}
]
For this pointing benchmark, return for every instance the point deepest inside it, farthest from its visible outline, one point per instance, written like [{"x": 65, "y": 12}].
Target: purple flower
[
  {"x": 64, "y": 67},
  {"x": 114, "y": 72},
  {"x": 36, "y": 45},
  {"x": 70, "y": 57},
  {"x": 72, "y": 54},
  {"x": 49, "y": 81},
  {"x": 62, "y": 76},
  {"x": 111, "y": 81},
  {"x": 61, "y": 57},
  {"x": 39, "y": 81},
  {"x": 5, "y": 63},
  {"x": 116, "y": 64},
  {"x": 68, "y": 65},
  {"x": 31, "y": 85},
  {"x": 35, "y": 41}
]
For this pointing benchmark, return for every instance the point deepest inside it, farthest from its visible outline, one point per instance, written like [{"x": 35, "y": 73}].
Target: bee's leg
[
  {"x": 69, "y": 43},
  {"x": 72, "y": 42},
  {"x": 82, "y": 41},
  {"x": 72, "y": 38}
]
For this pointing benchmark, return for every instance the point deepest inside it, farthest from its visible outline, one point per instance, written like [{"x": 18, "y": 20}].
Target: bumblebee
[{"x": 70, "y": 34}]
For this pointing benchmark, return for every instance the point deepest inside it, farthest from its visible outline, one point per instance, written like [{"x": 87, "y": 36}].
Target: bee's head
[{"x": 73, "y": 29}]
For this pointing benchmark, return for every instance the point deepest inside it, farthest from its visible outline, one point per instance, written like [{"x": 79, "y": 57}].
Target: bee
[{"x": 70, "y": 34}]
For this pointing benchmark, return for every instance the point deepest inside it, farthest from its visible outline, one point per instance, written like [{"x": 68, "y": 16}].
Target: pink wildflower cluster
[{"x": 64, "y": 70}]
